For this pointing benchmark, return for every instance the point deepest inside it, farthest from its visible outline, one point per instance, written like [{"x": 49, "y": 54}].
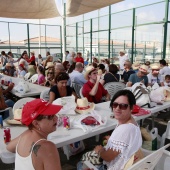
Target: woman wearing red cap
[{"x": 33, "y": 151}]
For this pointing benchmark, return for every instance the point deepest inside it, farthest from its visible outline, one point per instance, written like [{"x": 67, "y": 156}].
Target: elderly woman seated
[{"x": 126, "y": 139}]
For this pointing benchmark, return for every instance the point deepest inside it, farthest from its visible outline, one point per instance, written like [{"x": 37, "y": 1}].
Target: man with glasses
[
  {"x": 93, "y": 89},
  {"x": 140, "y": 76}
]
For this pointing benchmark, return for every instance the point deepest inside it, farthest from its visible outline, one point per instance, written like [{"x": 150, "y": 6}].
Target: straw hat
[
  {"x": 144, "y": 69},
  {"x": 49, "y": 64},
  {"x": 83, "y": 106},
  {"x": 135, "y": 65},
  {"x": 32, "y": 52},
  {"x": 8, "y": 64},
  {"x": 88, "y": 70},
  {"x": 155, "y": 66},
  {"x": 17, "y": 117},
  {"x": 122, "y": 51}
]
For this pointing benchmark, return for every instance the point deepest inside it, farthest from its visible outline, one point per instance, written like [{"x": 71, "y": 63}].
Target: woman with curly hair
[
  {"x": 66, "y": 65},
  {"x": 60, "y": 89}
]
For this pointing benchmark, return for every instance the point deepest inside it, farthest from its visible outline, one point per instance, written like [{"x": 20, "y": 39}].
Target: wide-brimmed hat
[
  {"x": 89, "y": 69},
  {"x": 155, "y": 66},
  {"x": 17, "y": 117},
  {"x": 135, "y": 65},
  {"x": 83, "y": 106},
  {"x": 37, "y": 107},
  {"x": 49, "y": 64},
  {"x": 144, "y": 69},
  {"x": 122, "y": 51},
  {"x": 8, "y": 64},
  {"x": 32, "y": 52}
]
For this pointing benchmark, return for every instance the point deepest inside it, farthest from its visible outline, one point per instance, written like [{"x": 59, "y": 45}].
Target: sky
[{"x": 144, "y": 33}]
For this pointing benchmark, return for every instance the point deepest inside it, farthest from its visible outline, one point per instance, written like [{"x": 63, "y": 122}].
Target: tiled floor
[{"x": 160, "y": 123}]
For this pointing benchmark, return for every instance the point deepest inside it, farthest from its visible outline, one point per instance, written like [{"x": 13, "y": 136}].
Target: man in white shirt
[
  {"x": 76, "y": 76},
  {"x": 122, "y": 59},
  {"x": 165, "y": 69}
]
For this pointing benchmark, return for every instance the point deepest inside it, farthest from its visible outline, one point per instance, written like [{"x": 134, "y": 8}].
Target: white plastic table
[
  {"x": 35, "y": 89},
  {"x": 62, "y": 137}
]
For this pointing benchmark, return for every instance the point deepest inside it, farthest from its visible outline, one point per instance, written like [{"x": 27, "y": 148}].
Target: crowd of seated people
[{"x": 59, "y": 77}]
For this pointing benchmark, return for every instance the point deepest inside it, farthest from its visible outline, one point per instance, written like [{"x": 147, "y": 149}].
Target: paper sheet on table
[
  {"x": 68, "y": 104},
  {"x": 76, "y": 121}
]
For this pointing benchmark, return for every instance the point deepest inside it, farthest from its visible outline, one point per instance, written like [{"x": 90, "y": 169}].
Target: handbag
[
  {"x": 141, "y": 94},
  {"x": 93, "y": 157}
]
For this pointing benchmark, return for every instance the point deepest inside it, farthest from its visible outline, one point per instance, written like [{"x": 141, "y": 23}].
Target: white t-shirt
[
  {"x": 165, "y": 71},
  {"x": 127, "y": 139},
  {"x": 122, "y": 60},
  {"x": 153, "y": 80},
  {"x": 24, "y": 62}
]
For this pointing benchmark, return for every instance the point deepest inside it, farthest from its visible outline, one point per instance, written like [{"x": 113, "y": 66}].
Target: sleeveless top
[
  {"x": 24, "y": 162},
  {"x": 126, "y": 139}
]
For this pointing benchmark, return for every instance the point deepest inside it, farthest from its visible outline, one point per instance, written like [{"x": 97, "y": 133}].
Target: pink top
[{"x": 41, "y": 79}]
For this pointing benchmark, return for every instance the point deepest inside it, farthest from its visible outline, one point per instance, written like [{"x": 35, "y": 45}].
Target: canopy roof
[
  {"x": 28, "y": 9},
  {"x": 78, "y": 7}
]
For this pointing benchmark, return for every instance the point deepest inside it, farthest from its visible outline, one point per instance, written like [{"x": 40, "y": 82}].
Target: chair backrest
[
  {"x": 34, "y": 78},
  {"x": 45, "y": 95},
  {"x": 81, "y": 94},
  {"x": 77, "y": 88},
  {"x": 27, "y": 76},
  {"x": 113, "y": 87},
  {"x": 150, "y": 161},
  {"x": 20, "y": 103}
]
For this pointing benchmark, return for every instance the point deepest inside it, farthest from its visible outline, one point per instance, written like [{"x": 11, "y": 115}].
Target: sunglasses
[
  {"x": 49, "y": 117},
  {"x": 50, "y": 73},
  {"x": 122, "y": 106}
]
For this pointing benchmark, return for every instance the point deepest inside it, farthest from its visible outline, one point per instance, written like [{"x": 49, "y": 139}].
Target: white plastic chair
[
  {"x": 113, "y": 87},
  {"x": 27, "y": 76},
  {"x": 81, "y": 94},
  {"x": 20, "y": 103},
  {"x": 10, "y": 111},
  {"x": 77, "y": 88},
  {"x": 166, "y": 135},
  {"x": 34, "y": 78},
  {"x": 45, "y": 95},
  {"x": 149, "y": 162}
]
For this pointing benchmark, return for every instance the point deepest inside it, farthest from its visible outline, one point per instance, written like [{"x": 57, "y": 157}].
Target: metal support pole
[
  {"x": 124, "y": 47},
  {"x": 39, "y": 36},
  {"x": 91, "y": 53},
  {"x": 98, "y": 34},
  {"x": 9, "y": 37},
  {"x": 154, "y": 52},
  {"x": 165, "y": 28},
  {"x": 83, "y": 34},
  {"x": 133, "y": 30},
  {"x": 112, "y": 52},
  {"x": 76, "y": 36},
  {"x": 45, "y": 38},
  {"x": 109, "y": 31},
  {"x": 64, "y": 30},
  {"x": 28, "y": 36},
  {"x": 61, "y": 43}
]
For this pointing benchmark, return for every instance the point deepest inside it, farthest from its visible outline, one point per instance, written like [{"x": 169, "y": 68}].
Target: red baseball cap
[{"x": 38, "y": 107}]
